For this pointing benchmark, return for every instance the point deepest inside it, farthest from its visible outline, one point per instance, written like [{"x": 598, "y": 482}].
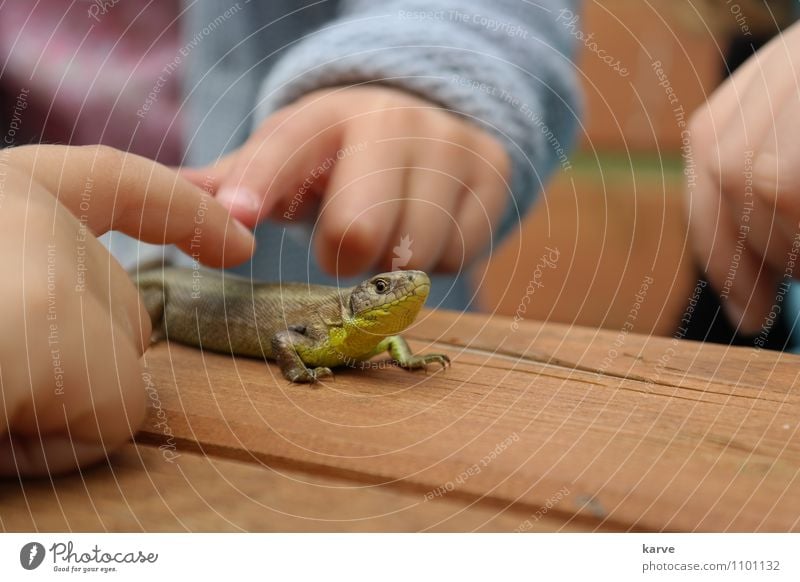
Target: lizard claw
[
  {"x": 440, "y": 359},
  {"x": 309, "y": 376},
  {"x": 421, "y": 362},
  {"x": 322, "y": 373}
]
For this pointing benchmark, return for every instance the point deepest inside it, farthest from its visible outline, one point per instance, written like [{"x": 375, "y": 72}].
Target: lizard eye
[{"x": 381, "y": 286}]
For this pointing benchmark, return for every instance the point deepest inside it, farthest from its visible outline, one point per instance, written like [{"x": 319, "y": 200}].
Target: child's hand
[
  {"x": 744, "y": 208},
  {"x": 377, "y": 164},
  {"x": 74, "y": 327}
]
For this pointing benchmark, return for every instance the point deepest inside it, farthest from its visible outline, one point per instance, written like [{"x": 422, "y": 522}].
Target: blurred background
[{"x": 615, "y": 215}]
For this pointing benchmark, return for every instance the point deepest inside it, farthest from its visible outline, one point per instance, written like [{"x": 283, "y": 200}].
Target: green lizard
[{"x": 307, "y": 329}]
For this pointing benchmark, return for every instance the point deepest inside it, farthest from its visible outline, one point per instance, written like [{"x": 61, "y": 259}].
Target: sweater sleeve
[{"x": 503, "y": 64}]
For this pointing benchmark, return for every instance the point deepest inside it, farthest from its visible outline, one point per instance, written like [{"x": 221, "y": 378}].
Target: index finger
[{"x": 108, "y": 189}]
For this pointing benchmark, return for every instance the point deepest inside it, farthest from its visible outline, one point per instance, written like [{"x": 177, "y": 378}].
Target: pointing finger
[{"x": 112, "y": 190}]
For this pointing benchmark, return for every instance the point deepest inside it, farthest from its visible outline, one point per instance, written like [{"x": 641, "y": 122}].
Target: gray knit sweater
[{"x": 502, "y": 64}]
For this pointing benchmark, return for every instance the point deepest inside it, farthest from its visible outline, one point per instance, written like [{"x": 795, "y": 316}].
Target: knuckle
[
  {"x": 702, "y": 132},
  {"x": 778, "y": 186},
  {"x": 109, "y": 160},
  {"x": 450, "y": 133},
  {"x": 398, "y": 120},
  {"x": 115, "y": 172},
  {"x": 724, "y": 164},
  {"x": 439, "y": 153},
  {"x": 701, "y": 122}
]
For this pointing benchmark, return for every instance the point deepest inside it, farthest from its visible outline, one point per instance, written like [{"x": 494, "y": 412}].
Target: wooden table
[{"x": 546, "y": 428}]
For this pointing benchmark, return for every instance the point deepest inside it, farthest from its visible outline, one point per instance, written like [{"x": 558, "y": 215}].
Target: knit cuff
[{"x": 435, "y": 56}]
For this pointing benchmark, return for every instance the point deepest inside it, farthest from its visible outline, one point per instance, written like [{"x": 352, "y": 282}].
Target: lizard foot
[
  {"x": 308, "y": 375},
  {"x": 421, "y": 362}
]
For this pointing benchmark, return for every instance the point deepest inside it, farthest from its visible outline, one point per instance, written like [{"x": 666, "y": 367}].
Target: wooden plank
[
  {"x": 141, "y": 491},
  {"x": 631, "y": 111},
  {"x": 638, "y": 453},
  {"x": 767, "y": 377},
  {"x": 602, "y": 230}
]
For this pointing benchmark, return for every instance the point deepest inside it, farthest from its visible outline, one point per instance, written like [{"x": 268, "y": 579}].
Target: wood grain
[
  {"x": 706, "y": 442},
  {"x": 141, "y": 491}
]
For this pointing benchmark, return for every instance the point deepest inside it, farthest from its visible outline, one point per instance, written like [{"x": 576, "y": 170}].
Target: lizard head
[{"x": 388, "y": 303}]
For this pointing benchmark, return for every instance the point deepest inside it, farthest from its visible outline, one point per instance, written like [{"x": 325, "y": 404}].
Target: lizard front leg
[
  {"x": 292, "y": 366},
  {"x": 401, "y": 353}
]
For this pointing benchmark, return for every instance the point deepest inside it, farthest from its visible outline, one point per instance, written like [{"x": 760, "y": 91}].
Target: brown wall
[
  {"x": 632, "y": 112},
  {"x": 616, "y": 224}
]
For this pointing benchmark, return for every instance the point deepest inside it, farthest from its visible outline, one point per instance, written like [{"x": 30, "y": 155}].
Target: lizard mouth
[
  {"x": 417, "y": 283},
  {"x": 409, "y": 301},
  {"x": 421, "y": 291}
]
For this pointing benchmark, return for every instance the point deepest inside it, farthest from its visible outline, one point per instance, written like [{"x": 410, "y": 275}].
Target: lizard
[{"x": 307, "y": 329}]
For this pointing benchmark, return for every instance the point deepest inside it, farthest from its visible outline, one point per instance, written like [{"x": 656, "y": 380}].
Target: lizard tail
[{"x": 153, "y": 294}]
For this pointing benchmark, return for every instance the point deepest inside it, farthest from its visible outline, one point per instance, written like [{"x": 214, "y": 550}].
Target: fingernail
[
  {"x": 244, "y": 232},
  {"x": 239, "y": 199}
]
